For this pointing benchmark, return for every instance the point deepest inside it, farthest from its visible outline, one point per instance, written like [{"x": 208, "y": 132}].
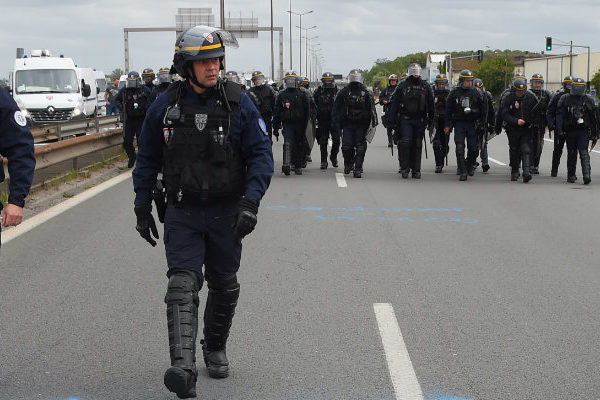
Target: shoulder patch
[
  {"x": 20, "y": 119},
  {"x": 263, "y": 126}
]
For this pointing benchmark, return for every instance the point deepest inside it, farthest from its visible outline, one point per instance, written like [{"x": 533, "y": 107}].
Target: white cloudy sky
[{"x": 352, "y": 34}]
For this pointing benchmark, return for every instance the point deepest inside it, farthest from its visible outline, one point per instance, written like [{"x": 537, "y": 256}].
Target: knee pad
[
  {"x": 222, "y": 282},
  {"x": 183, "y": 288},
  {"x": 404, "y": 142},
  {"x": 525, "y": 148}
]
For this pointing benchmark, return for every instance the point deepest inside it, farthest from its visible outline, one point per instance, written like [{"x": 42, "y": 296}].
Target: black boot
[
  {"x": 359, "y": 159},
  {"x": 348, "y": 160},
  {"x": 417, "y": 151},
  {"x": 182, "y": 322},
  {"x": 287, "y": 158},
  {"x": 323, "y": 156},
  {"x": 514, "y": 161},
  {"x": 571, "y": 165},
  {"x": 130, "y": 151},
  {"x": 335, "y": 149},
  {"x": 526, "y": 171},
  {"x": 586, "y": 169},
  {"x": 556, "y": 155},
  {"x": 222, "y": 299},
  {"x": 460, "y": 161},
  {"x": 471, "y": 162},
  {"x": 404, "y": 157}
]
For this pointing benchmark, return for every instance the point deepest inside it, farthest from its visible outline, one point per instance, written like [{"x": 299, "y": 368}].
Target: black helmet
[
  {"x": 148, "y": 73},
  {"x": 441, "y": 78},
  {"x": 200, "y": 43},
  {"x": 520, "y": 84},
  {"x": 327, "y": 79},
  {"x": 519, "y": 74},
  {"x": 478, "y": 83},
  {"x": 465, "y": 76},
  {"x": 304, "y": 82},
  {"x": 536, "y": 78},
  {"x": 133, "y": 79},
  {"x": 355, "y": 76},
  {"x": 164, "y": 75},
  {"x": 567, "y": 81},
  {"x": 578, "y": 88},
  {"x": 403, "y": 76},
  {"x": 290, "y": 80},
  {"x": 414, "y": 69},
  {"x": 233, "y": 76},
  {"x": 393, "y": 77},
  {"x": 256, "y": 75}
]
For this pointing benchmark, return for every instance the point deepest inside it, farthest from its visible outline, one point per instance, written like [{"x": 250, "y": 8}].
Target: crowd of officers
[{"x": 411, "y": 106}]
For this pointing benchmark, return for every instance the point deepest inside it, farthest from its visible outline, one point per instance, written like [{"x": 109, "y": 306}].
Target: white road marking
[
  {"x": 403, "y": 376},
  {"x": 341, "y": 181},
  {"x": 495, "y": 161},
  {"x": 58, "y": 209}
]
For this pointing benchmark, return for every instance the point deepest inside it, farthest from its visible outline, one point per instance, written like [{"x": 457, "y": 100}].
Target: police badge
[{"x": 200, "y": 120}]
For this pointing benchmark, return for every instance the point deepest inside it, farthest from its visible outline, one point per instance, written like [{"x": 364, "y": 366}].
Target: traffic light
[
  {"x": 548, "y": 43},
  {"x": 480, "y": 55}
]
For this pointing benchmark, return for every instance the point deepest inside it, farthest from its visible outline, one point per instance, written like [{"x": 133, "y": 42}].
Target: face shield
[
  {"x": 164, "y": 77},
  {"x": 290, "y": 82},
  {"x": 132, "y": 83},
  {"x": 259, "y": 81},
  {"x": 355, "y": 77},
  {"x": 440, "y": 85},
  {"x": 466, "y": 83},
  {"x": 536, "y": 85},
  {"x": 414, "y": 71},
  {"x": 578, "y": 89}
]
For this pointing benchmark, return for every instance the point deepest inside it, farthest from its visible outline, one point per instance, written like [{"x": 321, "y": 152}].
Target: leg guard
[
  {"x": 404, "y": 156},
  {"x": 460, "y": 161},
  {"x": 586, "y": 169},
  {"x": 348, "y": 154},
  {"x": 557, "y": 154},
  {"x": 182, "y": 322},
  {"x": 223, "y": 294},
  {"x": 571, "y": 165},
  {"x": 470, "y": 162},
  {"x": 439, "y": 152},
  {"x": 361, "y": 150},
  {"x": 323, "y": 155},
  {"x": 526, "y": 161},
  {"x": 287, "y": 158},
  {"x": 417, "y": 150},
  {"x": 335, "y": 149}
]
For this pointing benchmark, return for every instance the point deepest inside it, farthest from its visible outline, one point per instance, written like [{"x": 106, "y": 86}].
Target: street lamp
[
  {"x": 306, "y": 38},
  {"x": 300, "y": 14}
]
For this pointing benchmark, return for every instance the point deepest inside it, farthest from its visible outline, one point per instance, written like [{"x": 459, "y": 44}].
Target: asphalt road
[{"x": 495, "y": 286}]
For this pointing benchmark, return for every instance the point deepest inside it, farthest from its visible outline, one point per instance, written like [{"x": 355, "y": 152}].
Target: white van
[
  {"x": 101, "y": 88},
  {"x": 87, "y": 76},
  {"x": 47, "y": 88}
]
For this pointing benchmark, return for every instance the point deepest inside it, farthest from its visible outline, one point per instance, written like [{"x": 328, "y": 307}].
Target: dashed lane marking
[
  {"x": 58, "y": 209},
  {"x": 341, "y": 181},
  {"x": 403, "y": 376}
]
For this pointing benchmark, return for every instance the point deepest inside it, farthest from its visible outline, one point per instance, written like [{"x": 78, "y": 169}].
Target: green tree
[
  {"x": 495, "y": 73},
  {"x": 595, "y": 83},
  {"x": 116, "y": 74}
]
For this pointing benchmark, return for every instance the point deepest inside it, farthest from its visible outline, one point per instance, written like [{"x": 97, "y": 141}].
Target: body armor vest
[
  {"x": 200, "y": 161},
  {"x": 356, "y": 105},
  {"x": 466, "y": 108},
  {"x": 135, "y": 103},
  {"x": 265, "y": 104},
  {"x": 324, "y": 100},
  {"x": 414, "y": 102},
  {"x": 293, "y": 109},
  {"x": 577, "y": 117},
  {"x": 439, "y": 99}
]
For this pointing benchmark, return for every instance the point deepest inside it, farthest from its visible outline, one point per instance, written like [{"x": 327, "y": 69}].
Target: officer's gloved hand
[
  {"x": 246, "y": 217},
  {"x": 145, "y": 223}
]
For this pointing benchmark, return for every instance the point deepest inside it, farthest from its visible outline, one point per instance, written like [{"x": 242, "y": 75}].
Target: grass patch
[{"x": 68, "y": 195}]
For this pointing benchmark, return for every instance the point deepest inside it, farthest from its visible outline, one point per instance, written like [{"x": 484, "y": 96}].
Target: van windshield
[{"x": 46, "y": 81}]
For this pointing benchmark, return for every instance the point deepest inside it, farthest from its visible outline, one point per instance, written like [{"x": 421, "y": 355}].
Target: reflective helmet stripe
[{"x": 196, "y": 48}]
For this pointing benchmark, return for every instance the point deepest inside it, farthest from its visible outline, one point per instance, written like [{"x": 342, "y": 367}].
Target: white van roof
[{"x": 44, "y": 63}]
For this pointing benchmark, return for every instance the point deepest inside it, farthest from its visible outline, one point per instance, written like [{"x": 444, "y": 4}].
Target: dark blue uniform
[
  {"x": 133, "y": 112},
  {"x": 200, "y": 233},
  {"x": 324, "y": 97},
  {"x": 384, "y": 99},
  {"x": 559, "y": 141},
  {"x": 440, "y": 139},
  {"x": 16, "y": 144}
]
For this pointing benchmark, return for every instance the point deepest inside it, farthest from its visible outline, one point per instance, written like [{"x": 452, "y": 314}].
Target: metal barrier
[{"x": 64, "y": 130}]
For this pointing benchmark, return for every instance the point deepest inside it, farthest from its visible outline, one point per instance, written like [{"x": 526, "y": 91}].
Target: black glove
[
  {"x": 145, "y": 223},
  {"x": 246, "y": 217}
]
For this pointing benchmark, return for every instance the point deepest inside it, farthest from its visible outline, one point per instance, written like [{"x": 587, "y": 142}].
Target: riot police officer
[
  {"x": 440, "y": 139},
  {"x": 384, "y": 100},
  {"x": 324, "y": 98},
  {"x": 304, "y": 82},
  {"x": 464, "y": 110},
  {"x": 577, "y": 120},
  {"x": 133, "y": 100},
  {"x": 293, "y": 110},
  {"x": 518, "y": 110},
  {"x": 265, "y": 96},
  {"x": 559, "y": 141},
  {"x": 148, "y": 77},
  {"x": 16, "y": 144},
  {"x": 540, "y": 122},
  {"x": 412, "y": 110},
  {"x": 354, "y": 113},
  {"x": 164, "y": 80},
  {"x": 488, "y": 123},
  {"x": 212, "y": 146}
]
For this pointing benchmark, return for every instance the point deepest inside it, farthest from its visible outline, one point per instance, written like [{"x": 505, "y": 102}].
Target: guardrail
[{"x": 64, "y": 130}]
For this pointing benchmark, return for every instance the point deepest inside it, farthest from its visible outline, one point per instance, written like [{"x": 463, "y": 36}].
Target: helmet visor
[
  {"x": 355, "y": 77},
  {"x": 290, "y": 82},
  {"x": 164, "y": 77},
  {"x": 414, "y": 70},
  {"x": 578, "y": 89},
  {"x": 132, "y": 83}
]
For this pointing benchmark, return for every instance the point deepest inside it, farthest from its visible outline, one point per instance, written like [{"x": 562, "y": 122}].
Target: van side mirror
[{"x": 86, "y": 90}]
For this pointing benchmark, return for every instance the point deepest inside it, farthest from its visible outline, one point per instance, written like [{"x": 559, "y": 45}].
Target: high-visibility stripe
[{"x": 196, "y": 48}]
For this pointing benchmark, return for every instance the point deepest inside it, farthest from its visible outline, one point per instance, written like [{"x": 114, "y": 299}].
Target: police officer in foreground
[
  {"x": 133, "y": 100},
  {"x": 384, "y": 99},
  {"x": 440, "y": 139},
  {"x": 536, "y": 84},
  {"x": 265, "y": 96},
  {"x": 518, "y": 110},
  {"x": 148, "y": 77},
  {"x": 164, "y": 81},
  {"x": 213, "y": 149},
  {"x": 577, "y": 120},
  {"x": 354, "y": 113},
  {"x": 16, "y": 144},
  {"x": 464, "y": 111},
  {"x": 412, "y": 109},
  {"x": 293, "y": 109},
  {"x": 487, "y": 125},
  {"x": 559, "y": 141},
  {"x": 324, "y": 98}
]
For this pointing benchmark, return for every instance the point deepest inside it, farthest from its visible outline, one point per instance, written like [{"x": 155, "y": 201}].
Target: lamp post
[
  {"x": 300, "y": 14},
  {"x": 306, "y": 38}
]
